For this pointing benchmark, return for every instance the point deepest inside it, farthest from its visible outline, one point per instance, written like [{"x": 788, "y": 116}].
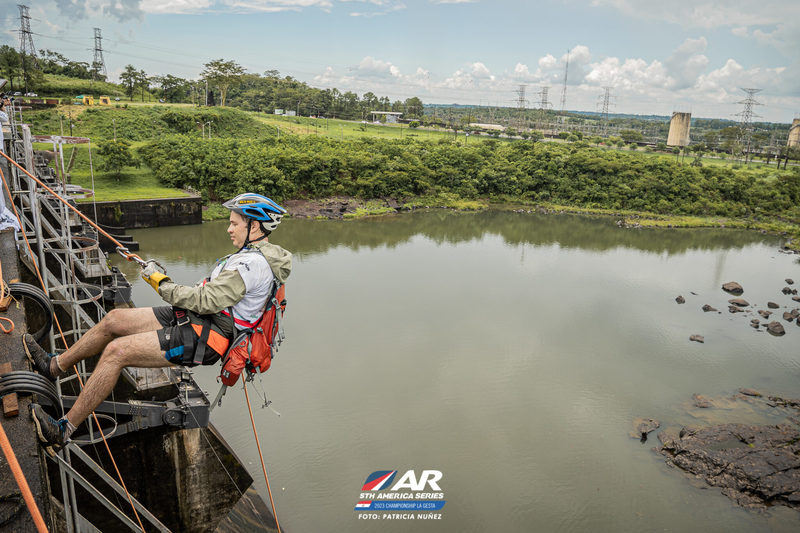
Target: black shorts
[{"x": 179, "y": 342}]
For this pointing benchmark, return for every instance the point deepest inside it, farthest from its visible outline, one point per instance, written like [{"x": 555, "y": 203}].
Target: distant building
[
  {"x": 496, "y": 127},
  {"x": 291, "y": 113},
  {"x": 391, "y": 116},
  {"x": 278, "y": 111},
  {"x": 679, "y": 127}
]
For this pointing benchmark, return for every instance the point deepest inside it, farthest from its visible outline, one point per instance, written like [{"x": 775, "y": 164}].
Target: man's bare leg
[
  {"x": 117, "y": 323},
  {"x": 140, "y": 350}
]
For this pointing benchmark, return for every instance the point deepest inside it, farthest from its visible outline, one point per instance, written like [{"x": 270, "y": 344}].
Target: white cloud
[
  {"x": 371, "y": 66},
  {"x": 739, "y": 31},
  {"x": 547, "y": 62},
  {"x": 454, "y": 1},
  {"x": 240, "y": 6},
  {"x": 479, "y": 70},
  {"x": 708, "y": 13},
  {"x": 687, "y": 62},
  {"x": 631, "y": 74}
]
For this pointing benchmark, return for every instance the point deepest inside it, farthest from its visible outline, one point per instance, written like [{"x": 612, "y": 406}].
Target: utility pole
[
  {"x": 98, "y": 64},
  {"x": 26, "y": 47},
  {"x": 564, "y": 88},
  {"x": 604, "y": 100},
  {"x": 746, "y": 121}
]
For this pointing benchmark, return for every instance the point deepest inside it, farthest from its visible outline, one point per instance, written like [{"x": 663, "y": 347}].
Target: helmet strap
[{"x": 247, "y": 240}]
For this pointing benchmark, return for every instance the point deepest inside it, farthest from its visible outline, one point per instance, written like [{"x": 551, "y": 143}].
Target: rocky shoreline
[
  {"x": 349, "y": 207},
  {"x": 756, "y": 466}
]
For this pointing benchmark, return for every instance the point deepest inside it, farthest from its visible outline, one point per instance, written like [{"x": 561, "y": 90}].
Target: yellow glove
[{"x": 152, "y": 276}]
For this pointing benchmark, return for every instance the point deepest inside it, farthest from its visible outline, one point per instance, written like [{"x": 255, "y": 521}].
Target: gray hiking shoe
[
  {"x": 40, "y": 360},
  {"x": 51, "y": 431}
]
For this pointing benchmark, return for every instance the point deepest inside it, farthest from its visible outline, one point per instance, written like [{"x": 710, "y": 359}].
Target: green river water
[{"x": 509, "y": 351}]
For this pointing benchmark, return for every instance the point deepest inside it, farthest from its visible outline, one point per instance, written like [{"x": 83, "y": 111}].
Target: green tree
[
  {"x": 630, "y": 136},
  {"x": 224, "y": 75},
  {"x": 414, "y": 107},
  {"x": 10, "y": 64},
  {"x": 116, "y": 155},
  {"x": 129, "y": 78}
]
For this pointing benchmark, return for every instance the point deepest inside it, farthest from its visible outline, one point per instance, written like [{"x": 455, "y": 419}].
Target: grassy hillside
[
  {"x": 139, "y": 123},
  {"x": 63, "y": 86}
]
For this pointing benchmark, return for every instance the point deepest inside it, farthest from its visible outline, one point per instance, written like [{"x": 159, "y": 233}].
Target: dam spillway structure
[
  {"x": 175, "y": 469},
  {"x": 679, "y": 126},
  {"x": 794, "y": 134}
]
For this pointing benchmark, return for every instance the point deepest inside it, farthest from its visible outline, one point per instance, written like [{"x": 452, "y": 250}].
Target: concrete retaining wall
[{"x": 146, "y": 213}]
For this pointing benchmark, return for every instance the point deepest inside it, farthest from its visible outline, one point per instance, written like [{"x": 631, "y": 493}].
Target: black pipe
[{"x": 36, "y": 294}]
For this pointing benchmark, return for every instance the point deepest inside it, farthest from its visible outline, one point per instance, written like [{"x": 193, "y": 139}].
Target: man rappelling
[{"x": 199, "y": 326}]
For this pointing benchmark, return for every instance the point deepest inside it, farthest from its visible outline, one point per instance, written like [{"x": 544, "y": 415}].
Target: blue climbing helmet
[{"x": 257, "y": 207}]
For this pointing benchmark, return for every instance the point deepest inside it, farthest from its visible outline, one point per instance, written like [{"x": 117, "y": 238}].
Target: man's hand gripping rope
[{"x": 153, "y": 272}]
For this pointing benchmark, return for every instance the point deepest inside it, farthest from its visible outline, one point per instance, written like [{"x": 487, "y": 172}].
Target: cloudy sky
[{"x": 691, "y": 55}]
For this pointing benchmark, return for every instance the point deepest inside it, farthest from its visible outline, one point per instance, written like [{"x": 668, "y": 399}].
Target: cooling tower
[
  {"x": 794, "y": 134},
  {"x": 679, "y": 129}
]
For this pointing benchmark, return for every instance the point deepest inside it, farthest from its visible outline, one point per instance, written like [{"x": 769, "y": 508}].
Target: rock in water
[
  {"x": 707, "y": 308},
  {"x": 680, "y": 299},
  {"x": 741, "y": 302},
  {"x": 776, "y": 328},
  {"x": 786, "y": 290},
  {"x": 772, "y": 305},
  {"x": 755, "y": 466},
  {"x": 643, "y": 426},
  {"x": 751, "y": 392},
  {"x": 701, "y": 401},
  {"x": 698, "y": 338},
  {"x": 755, "y": 322},
  {"x": 733, "y": 288},
  {"x": 734, "y": 309},
  {"x": 789, "y": 281},
  {"x": 788, "y": 316},
  {"x": 764, "y": 313}
]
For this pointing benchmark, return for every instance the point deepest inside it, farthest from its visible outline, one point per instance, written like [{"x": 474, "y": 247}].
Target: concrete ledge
[{"x": 150, "y": 213}]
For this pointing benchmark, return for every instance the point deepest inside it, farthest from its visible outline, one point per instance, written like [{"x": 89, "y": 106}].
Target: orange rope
[
  {"x": 2, "y": 293},
  {"x": 58, "y": 324},
  {"x": 22, "y": 483},
  {"x": 128, "y": 256},
  {"x": 258, "y": 444}
]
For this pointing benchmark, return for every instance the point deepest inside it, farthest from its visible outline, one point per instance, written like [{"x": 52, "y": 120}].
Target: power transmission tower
[
  {"x": 746, "y": 120},
  {"x": 544, "y": 106},
  {"x": 521, "y": 105},
  {"x": 25, "y": 33},
  {"x": 98, "y": 64},
  {"x": 564, "y": 88},
  {"x": 605, "y": 100},
  {"x": 26, "y": 49}
]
